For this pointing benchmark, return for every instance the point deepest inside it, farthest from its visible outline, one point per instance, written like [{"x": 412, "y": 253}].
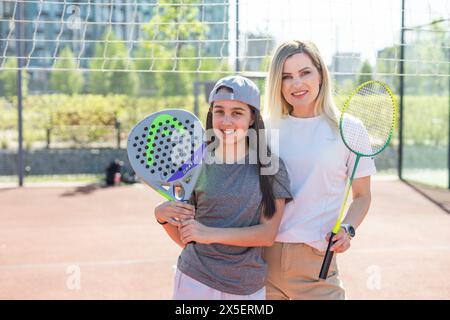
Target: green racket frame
[{"x": 329, "y": 254}]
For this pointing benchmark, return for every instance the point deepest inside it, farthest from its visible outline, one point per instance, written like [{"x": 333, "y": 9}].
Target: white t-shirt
[{"x": 319, "y": 165}]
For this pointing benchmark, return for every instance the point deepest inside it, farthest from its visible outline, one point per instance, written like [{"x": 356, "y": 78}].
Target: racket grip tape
[
  {"x": 187, "y": 201},
  {"x": 327, "y": 259}
]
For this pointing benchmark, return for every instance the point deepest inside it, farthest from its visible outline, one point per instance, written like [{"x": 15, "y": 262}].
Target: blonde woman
[{"x": 299, "y": 104}]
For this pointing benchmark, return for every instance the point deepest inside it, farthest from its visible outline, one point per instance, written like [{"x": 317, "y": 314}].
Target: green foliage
[
  {"x": 426, "y": 120},
  {"x": 9, "y": 80},
  {"x": 347, "y": 88},
  {"x": 425, "y": 54},
  {"x": 4, "y": 144},
  {"x": 85, "y": 119},
  {"x": 70, "y": 81},
  {"x": 172, "y": 63},
  {"x": 388, "y": 63},
  {"x": 365, "y": 68},
  {"x": 111, "y": 54},
  {"x": 149, "y": 80},
  {"x": 175, "y": 61},
  {"x": 124, "y": 82},
  {"x": 8, "y": 115},
  {"x": 265, "y": 64},
  {"x": 176, "y": 22}
]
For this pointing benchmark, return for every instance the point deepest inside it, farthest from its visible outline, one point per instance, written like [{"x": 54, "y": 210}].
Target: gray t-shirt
[{"x": 228, "y": 196}]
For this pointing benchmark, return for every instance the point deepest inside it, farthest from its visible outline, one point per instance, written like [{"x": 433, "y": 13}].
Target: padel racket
[
  {"x": 366, "y": 126},
  {"x": 166, "y": 150}
]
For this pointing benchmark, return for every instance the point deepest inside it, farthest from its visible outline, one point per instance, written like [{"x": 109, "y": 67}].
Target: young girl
[
  {"x": 299, "y": 103},
  {"x": 237, "y": 207}
]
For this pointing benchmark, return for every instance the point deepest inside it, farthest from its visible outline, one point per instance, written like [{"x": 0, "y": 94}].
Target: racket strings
[{"x": 368, "y": 119}]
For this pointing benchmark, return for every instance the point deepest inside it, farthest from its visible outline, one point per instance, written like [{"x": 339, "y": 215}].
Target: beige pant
[{"x": 293, "y": 273}]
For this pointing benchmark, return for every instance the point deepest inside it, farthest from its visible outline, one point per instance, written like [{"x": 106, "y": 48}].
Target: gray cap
[{"x": 244, "y": 90}]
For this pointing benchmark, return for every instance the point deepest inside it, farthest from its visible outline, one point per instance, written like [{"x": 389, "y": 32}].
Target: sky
[
  {"x": 355, "y": 26},
  {"x": 363, "y": 26}
]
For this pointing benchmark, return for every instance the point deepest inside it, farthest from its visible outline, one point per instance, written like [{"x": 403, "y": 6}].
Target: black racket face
[
  {"x": 166, "y": 150},
  {"x": 368, "y": 119}
]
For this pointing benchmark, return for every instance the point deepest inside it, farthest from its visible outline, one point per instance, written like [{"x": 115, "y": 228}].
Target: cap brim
[{"x": 222, "y": 96}]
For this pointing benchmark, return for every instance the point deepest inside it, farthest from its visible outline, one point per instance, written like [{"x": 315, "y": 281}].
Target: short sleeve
[
  {"x": 366, "y": 165},
  {"x": 281, "y": 184}
]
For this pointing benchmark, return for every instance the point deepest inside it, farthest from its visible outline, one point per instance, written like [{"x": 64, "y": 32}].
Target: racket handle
[
  {"x": 327, "y": 259},
  {"x": 187, "y": 201}
]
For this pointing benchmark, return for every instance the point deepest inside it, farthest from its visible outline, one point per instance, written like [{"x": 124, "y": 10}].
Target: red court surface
[{"x": 103, "y": 243}]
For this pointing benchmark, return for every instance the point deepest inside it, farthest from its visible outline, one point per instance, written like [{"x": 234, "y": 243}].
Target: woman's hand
[
  {"x": 174, "y": 212},
  {"x": 342, "y": 241},
  {"x": 193, "y": 231}
]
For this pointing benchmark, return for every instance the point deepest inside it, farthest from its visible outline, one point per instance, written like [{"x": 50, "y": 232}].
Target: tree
[
  {"x": 111, "y": 54},
  {"x": 98, "y": 80},
  {"x": 9, "y": 79},
  {"x": 429, "y": 48},
  {"x": 180, "y": 23},
  {"x": 124, "y": 82},
  {"x": 365, "y": 68},
  {"x": 425, "y": 54},
  {"x": 70, "y": 81},
  {"x": 149, "y": 80},
  {"x": 388, "y": 65}
]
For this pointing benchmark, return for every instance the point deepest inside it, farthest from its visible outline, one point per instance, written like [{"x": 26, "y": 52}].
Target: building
[
  {"x": 217, "y": 18},
  {"x": 258, "y": 47},
  {"x": 49, "y": 26},
  {"x": 345, "y": 66}
]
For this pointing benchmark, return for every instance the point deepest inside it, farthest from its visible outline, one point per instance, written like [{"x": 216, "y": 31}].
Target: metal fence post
[
  {"x": 401, "y": 93},
  {"x": 18, "y": 32}
]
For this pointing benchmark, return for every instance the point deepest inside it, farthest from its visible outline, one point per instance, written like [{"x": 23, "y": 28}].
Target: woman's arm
[
  {"x": 262, "y": 234},
  {"x": 360, "y": 203},
  {"x": 356, "y": 213}
]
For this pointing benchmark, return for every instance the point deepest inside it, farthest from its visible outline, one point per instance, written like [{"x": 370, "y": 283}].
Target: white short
[{"x": 186, "y": 288}]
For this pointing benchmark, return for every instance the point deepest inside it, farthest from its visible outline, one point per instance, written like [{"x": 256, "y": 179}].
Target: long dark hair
[{"x": 267, "y": 206}]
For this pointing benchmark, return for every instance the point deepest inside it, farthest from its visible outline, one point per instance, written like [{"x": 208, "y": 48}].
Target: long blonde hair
[{"x": 275, "y": 106}]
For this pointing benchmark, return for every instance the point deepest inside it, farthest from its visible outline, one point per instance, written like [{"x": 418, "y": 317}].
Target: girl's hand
[
  {"x": 174, "y": 212},
  {"x": 342, "y": 241},
  {"x": 193, "y": 231}
]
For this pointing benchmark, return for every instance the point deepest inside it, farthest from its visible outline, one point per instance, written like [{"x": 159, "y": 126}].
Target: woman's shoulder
[
  {"x": 271, "y": 123},
  {"x": 352, "y": 124},
  {"x": 352, "y": 120}
]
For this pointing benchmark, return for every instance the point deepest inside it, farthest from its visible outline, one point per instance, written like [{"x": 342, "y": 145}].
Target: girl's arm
[
  {"x": 259, "y": 235},
  {"x": 174, "y": 234},
  {"x": 173, "y": 213}
]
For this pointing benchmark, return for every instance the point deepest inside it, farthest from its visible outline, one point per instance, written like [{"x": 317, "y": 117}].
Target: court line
[
  {"x": 81, "y": 264},
  {"x": 410, "y": 249},
  {"x": 414, "y": 249}
]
